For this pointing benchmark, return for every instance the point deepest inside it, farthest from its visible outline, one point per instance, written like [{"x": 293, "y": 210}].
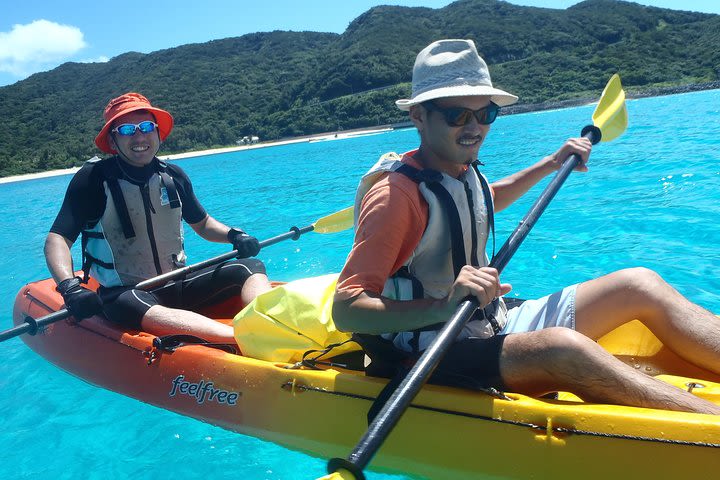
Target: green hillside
[{"x": 282, "y": 84}]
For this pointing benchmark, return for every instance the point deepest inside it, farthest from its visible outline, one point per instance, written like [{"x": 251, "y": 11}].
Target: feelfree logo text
[{"x": 203, "y": 391}]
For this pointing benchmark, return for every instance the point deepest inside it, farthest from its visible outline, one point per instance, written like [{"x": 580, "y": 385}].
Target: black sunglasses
[{"x": 459, "y": 117}]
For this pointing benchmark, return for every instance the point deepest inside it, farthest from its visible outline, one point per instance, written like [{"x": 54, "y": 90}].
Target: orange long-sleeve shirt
[{"x": 393, "y": 217}]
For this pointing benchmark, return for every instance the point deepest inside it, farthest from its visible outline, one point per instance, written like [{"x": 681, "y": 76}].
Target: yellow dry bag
[{"x": 282, "y": 324}]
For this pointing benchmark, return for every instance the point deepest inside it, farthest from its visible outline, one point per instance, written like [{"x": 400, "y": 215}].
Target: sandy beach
[{"x": 197, "y": 153}]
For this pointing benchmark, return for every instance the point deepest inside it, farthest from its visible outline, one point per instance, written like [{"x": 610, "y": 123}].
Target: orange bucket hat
[{"x": 126, "y": 103}]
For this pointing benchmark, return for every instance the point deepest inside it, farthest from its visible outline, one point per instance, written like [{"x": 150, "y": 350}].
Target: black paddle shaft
[
  {"x": 32, "y": 325},
  {"x": 513, "y": 242},
  {"x": 396, "y": 405},
  {"x": 160, "y": 280}
]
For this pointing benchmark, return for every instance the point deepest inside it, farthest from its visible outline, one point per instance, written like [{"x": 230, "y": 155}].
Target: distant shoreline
[
  {"x": 340, "y": 135},
  {"x": 629, "y": 94},
  {"x": 523, "y": 108}
]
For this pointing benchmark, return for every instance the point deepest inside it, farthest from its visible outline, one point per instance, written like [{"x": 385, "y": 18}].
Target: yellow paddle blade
[
  {"x": 610, "y": 115},
  {"x": 335, "y": 222},
  {"x": 341, "y": 474}
]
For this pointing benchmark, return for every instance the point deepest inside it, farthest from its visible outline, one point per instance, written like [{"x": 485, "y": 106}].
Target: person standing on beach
[
  {"x": 129, "y": 210},
  {"x": 422, "y": 223}
]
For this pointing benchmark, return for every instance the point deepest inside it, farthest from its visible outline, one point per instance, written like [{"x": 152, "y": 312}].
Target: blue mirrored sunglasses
[
  {"x": 129, "y": 129},
  {"x": 459, "y": 117}
]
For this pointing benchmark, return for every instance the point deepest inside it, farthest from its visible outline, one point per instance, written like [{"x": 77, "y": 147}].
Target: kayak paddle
[
  {"x": 335, "y": 222},
  {"x": 609, "y": 121}
]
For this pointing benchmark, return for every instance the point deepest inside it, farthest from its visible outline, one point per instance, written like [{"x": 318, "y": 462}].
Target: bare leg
[
  {"x": 160, "y": 320},
  {"x": 254, "y": 286},
  {"x": 638, "y": 293},
  {"x": 560, "y": 359}
]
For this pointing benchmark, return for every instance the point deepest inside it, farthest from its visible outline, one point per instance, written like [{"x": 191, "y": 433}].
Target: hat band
[{"x": 467, "y": 78}]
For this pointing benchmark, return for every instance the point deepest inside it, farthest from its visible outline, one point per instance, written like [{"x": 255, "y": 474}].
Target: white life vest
[
  {"x": 434, "y": 265},
  {"x": 139, "y": 234}
]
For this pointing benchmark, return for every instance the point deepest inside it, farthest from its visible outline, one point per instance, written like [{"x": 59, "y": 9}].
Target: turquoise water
[{"x": 651, "y": 198}]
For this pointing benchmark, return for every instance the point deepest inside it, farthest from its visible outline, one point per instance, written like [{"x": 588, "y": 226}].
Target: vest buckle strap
[
  {"x": 170, "y": 343},
  {"x": 489, "y": 312}
]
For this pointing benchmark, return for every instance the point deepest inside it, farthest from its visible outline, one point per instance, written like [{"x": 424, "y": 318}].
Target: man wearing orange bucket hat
[{"x": 129, "y": 210}]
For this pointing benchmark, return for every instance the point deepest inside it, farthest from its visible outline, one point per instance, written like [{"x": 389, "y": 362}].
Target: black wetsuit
[{"x": 84, "y": 204}]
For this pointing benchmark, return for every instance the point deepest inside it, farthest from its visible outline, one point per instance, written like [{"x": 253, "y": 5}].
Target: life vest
[
  {"x": 460, "y": 219},
  {"x": 139, "y": 234},
  {"x": 285, "y": 323}
]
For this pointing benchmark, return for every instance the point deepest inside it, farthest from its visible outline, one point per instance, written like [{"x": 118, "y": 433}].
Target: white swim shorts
[{"x": 555, "y": 310}]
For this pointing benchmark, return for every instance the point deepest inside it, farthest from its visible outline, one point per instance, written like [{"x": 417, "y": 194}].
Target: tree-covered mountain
[{"x": 282, "y": 84}]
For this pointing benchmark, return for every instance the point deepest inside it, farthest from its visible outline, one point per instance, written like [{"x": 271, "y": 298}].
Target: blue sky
[{"x": 39, "y": 35}]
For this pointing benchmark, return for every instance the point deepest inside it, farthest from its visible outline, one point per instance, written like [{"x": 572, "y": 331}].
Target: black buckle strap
[
  {"x": 170, "y": 343},
  {"x": 489, "y": 312},
  {"x": 456, "y": 233},
  {"x": 489, "y": 205},
  {"x": 87, "y": 259},
  {"x": 121, "y": 207},
  {"x": 418, "y": 291},
  {"x": 90, "y": 260}
]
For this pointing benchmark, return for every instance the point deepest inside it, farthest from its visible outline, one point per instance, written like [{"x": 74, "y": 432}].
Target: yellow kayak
[{"x": 446, "y": 433}]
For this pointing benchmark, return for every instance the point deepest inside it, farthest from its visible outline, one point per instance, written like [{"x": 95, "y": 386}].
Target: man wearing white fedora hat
[{"x": 422, "y": 222}]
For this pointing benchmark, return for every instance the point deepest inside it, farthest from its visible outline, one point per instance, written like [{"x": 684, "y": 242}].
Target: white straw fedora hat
[{"x": 452, "y": 68}]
